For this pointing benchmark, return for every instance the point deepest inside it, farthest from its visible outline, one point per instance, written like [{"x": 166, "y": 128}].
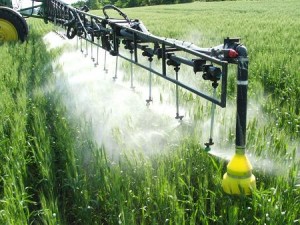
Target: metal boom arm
[
  {"x": 109, "y": 33},
  {"x": 117, "y": 36}
]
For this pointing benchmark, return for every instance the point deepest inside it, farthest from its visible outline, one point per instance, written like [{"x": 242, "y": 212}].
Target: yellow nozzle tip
[
  {"x": 238, "y": 186},
  {"x": 239, "y": 178}
]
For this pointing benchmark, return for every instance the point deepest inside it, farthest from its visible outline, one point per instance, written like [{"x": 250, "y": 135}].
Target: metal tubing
[
  {"x": 213, "y": 107},
  {"x": 197, "y": 92},
  {"x": 116, "y": 69},
  {"x": 177, "y": 97},
  {"x": 150, "y": 82},
  {"x": 153, "y": 38},
  {"x": 97, "y": 59},
  {"x": 177, "y": 68},
  {"x": 86, "y": 48},
  {"x": 188, "y": 62},
  {"x": 131, "y": 74},
  {"x": 77, "y": 42},
  {"x": 104, "y": 67},
  {"x": 92, "y": 57},
  {"x": 179, "y": 59}
]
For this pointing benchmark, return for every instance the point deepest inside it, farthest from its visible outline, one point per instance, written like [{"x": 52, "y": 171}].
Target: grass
[
  {"x": 53, "y": 173},
  {"x": 23, "y": 137}
]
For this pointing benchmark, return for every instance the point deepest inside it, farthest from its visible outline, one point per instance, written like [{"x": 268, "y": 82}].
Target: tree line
[{"x": 97, "y": 4}]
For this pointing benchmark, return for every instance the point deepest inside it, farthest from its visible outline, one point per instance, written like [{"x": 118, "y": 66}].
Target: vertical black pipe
[
  {"x": 163, "y": 63},
  {"x": 135, "y": 47},
  {"x": 242, "y": 87},
  {"x": 224, "y": 85}
]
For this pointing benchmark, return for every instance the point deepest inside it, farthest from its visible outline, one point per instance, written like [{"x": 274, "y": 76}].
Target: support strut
[
  {"x": 150, "y": 81},
  {"x": 177, "y": 68},
  {"x": 77, "y": 43},
  {"x": 131, "y": 70},
  {"x": 212, "y": 112},
  {"x": 92, "y": 57},
  {"x": 116, "y": 69},
  {"x": 104, "y": 66},
  {"x": 97, "y": 52},
  {"x": 81, "y": 49},
  {"x": 86, "y": 48}
]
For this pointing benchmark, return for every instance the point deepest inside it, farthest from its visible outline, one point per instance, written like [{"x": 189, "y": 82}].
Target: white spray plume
[
  {"x": 119, "y": 115},
  {"x": 120, "y": 118}
]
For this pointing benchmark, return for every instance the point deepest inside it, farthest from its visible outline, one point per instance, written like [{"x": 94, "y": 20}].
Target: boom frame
[
  {"x": 117, "y": 36},
  {"x": 109, "y": 33}
]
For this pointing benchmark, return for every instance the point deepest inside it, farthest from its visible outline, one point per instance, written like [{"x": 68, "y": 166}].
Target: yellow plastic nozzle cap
[{"x": 239, "y": 178}]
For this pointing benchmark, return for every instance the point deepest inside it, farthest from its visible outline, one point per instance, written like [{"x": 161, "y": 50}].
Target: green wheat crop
[{"x": 47, "y": 177}]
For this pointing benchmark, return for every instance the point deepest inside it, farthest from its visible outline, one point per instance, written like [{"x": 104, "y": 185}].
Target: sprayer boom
[
  {"x": 113, "y": 34},
  {"x": 120, "y": 36}
]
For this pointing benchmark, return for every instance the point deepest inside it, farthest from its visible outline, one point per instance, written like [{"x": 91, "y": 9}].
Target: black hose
[{"x": 114, "y": 8}]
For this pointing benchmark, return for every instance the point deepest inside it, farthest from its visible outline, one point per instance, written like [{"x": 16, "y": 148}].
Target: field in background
[
  {"x": 267, "y": 28},
  {"x": 46, "y": 180}
]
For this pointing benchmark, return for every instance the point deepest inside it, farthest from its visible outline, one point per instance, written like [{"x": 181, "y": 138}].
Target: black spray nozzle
[
  {"x": 211, "y": 73},
  {"x": 231, "y": 42},
  {"x": 85, "y": 8}
]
